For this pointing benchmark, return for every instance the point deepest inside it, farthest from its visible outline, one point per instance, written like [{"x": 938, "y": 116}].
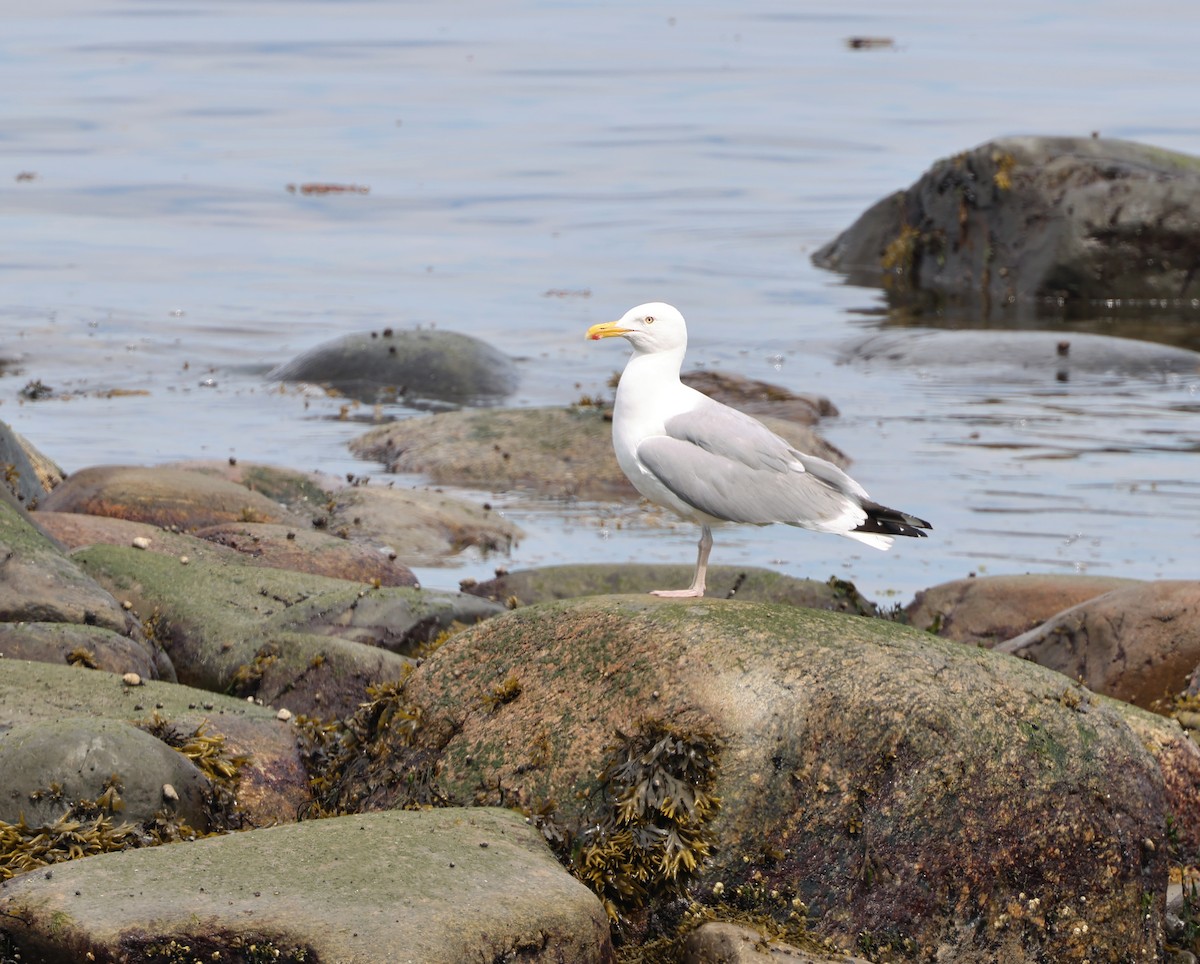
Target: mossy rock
[{"x": 909, "y": 791}]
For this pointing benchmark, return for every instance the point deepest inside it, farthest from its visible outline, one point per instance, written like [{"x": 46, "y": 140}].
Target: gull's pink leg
[{"x": 697, "y": 587}]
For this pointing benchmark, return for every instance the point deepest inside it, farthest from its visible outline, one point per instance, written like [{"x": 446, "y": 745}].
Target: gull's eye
[{"x": 649, "y": 319}]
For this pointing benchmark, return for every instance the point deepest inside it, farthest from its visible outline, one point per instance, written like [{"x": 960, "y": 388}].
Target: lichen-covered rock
[
  {"x": 439, "y": 887},
  {"x": 558, "y": 452},
  {"x": 726, "y": 943},
  {"x": 416, "y": 366},
  {"x": 1061, "y": 220},
  {"x": 990, "y": 609},
  {"x": 919, "y": 796},
  {"x": 527, "y": 586},
  {"x": 1139, "y": 644}
]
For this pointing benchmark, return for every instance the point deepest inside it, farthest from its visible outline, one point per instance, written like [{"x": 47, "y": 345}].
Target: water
[{"x": 537, "y": 167}]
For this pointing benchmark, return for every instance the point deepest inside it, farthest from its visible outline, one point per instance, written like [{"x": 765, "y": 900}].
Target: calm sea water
[{"x": 536, "y": 167}]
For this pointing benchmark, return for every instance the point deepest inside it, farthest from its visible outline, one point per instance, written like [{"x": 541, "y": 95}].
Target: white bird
[{"x": 712, "y": 464}]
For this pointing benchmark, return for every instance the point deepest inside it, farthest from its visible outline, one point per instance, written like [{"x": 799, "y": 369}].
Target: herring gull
[{"x": 712, "y": 464}]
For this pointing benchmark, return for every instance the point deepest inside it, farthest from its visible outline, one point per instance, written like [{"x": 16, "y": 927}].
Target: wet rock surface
[
  {"x": 442, "y": 886},
  {"x": 901, "y": 787},
  {"x": 1021, "y": 219},
  {"x": 416, "y": 366}
]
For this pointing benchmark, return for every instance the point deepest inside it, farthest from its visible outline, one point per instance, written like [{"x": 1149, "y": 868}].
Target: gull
[{"x": 712, "y": 464}]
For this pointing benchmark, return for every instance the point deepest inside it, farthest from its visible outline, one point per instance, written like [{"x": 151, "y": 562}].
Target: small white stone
[
  {"x": 140, "y": 542},
  {"x": 284, "y": 714},
  {"x": 131, "y": 679},
  {"x": 184, "y": 560},
  {"x": 169, "y": 793}
]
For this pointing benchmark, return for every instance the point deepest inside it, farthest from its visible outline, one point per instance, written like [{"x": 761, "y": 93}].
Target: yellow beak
[{"x": 606, "y": 329}]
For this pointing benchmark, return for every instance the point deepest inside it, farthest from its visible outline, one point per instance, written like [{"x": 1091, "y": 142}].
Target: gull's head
[{"x": 649, "y": 328}]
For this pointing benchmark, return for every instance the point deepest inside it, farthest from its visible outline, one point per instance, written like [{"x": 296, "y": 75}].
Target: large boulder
[
  {"x": 910, "y": 793},
  {"x": 439, "y": 886},
  {"x": 1060, "y": 220},
  {"x": 415, "y": 366}
]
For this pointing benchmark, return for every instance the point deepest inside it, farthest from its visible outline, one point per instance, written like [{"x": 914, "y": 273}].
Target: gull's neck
[{"x": 647, "y": 380}]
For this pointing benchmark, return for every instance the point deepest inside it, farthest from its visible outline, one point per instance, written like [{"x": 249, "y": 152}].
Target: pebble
[
  {"x": 140, "y": 542},
  {"x": 284, "y": 714},
  {"x": 169, "y": 793},
  {"x": 131, "y": 679}
]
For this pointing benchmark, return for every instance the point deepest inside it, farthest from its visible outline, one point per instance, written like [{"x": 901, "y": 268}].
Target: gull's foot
[{"x": 677, "y": 593}]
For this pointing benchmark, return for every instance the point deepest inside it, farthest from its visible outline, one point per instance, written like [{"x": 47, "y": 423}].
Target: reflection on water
[{"x": 613, "y": 151}]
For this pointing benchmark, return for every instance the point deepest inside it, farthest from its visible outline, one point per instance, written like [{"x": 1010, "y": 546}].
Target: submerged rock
[
  {"x": 438, "y": 886},
  {"x": 1026, "y": 356},
  {"x": 1055, "y": 219},
  {"x": 912, "y": 793},
  {"x": 414, "y": 366}
]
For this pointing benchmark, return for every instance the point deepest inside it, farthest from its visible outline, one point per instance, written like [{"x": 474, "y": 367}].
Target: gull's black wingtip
[{"x": 892, "y": 522}]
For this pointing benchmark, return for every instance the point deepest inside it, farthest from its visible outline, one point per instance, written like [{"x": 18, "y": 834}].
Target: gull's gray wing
[{"x": 733, "y": 467}]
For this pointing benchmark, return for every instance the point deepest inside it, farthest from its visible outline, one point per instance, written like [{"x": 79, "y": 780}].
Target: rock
[
  {"x": 20, "y": 464},
  {"x": 308, "y": 550},
  {"x": 399, "y": 621},
  {"x": 81, "y": 758},
  {"x": 75, "y": 531},
  {"x": 302, "y": 492},
  {"x": 556, "y": 452},
  {"x": 912, "y": 792},
  {"x": 273, "y": 784},
  {"x": 90, "y": 647},
  {"x": 1034, "y": 357},
  {"x": 1178, "y": 759},
  {"x": 39, "y": 584},
  {"x": 416, "y": 366},
  {"x": 1138, "y": 644},
  {"x": 161, "y": 496},
  {"x": 527, "y": 586},
  {"x": 759, "y": 398},
  {"x": 270, "y": 633},
  {"x": 719, "y": 941},
  {"x": 988, "y": 610},
  {"x": 439, "y": 886},
  {"x": 421, "y": 526},
  {"x": 1062, "y": 220}
]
